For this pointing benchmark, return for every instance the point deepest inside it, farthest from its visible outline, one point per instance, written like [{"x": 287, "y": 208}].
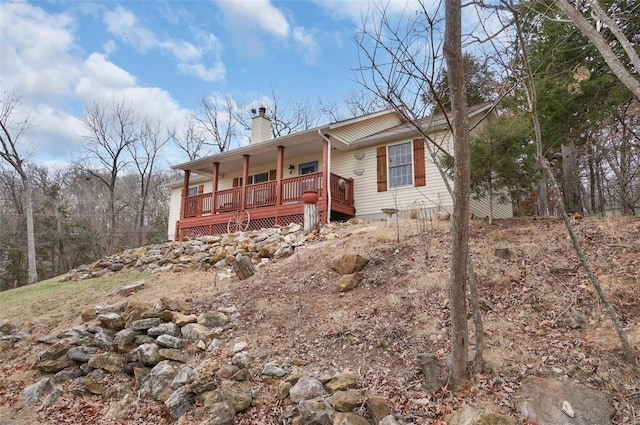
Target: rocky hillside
[{"x": 343, "y": 326}]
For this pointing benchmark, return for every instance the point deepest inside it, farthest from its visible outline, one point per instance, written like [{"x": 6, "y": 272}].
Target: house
[{"x": 359, "y": 167}]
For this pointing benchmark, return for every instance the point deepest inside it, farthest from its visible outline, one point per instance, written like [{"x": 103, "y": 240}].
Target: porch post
[
  {"x": 279, "y": 165},
  {"x": 326, "y": 190},
  {"x": 185, "y": 191},
  {"x": 245, "y": 179},
  {"x": 214, "y": 187}
]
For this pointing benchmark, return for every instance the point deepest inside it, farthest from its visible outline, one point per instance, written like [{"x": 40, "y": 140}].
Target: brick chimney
[{"x": 260, "y": 126}]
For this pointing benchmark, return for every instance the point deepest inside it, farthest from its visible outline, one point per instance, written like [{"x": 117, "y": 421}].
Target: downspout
[{"x": 328, "y": 165}]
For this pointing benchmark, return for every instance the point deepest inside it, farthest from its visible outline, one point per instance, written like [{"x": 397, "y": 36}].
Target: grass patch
[{"x": 59, "y": 300}]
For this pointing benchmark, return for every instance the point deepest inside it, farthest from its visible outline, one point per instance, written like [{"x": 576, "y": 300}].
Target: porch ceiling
[{"x": 262, "y": 153}]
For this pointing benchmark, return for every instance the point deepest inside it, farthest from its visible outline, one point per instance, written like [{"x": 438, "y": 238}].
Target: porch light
[{"x": 291, "y": 168}]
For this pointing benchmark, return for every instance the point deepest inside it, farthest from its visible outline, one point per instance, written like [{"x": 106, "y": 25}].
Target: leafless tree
[
  {"x": 216, "y": 123},
  {"x": 144, "y": 156},
  {"x": 400, "y": 62},
  {"x": 461, "y": 191},
  {"x": 190, "y": 140},
  {"x": 112, "y": 128},
  {"x": 11, "y": 130}
]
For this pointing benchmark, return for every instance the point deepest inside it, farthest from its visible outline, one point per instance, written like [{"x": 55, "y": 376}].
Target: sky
[{"x": 163, "y": 56}]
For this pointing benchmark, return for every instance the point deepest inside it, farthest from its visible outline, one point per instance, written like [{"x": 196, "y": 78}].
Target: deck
[{"x": 262, "y": 205}]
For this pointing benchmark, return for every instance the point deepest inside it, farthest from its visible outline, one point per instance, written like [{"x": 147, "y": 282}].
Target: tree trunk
[
  {"x": 571, "y": 178},
  {"x": 311, "y": 218},
  {"x": 461, "y": 191},
  {"x": 490, "y": 193},
  {"x": 31, "y": 239}
]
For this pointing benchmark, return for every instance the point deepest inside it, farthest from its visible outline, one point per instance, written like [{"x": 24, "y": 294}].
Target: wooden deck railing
[{"x": 265, "y": 195}]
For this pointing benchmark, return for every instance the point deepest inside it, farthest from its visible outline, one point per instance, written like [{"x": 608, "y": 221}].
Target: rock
[
  {"x": 111, "y": 362},
  {"x": 95, "y": 387},
  {"x": 113, "y": 321},
  {"x": 170, "y": 341},
  {"x": 213, "y": 320},
  {"x": 136, "y": 309},
  {"x": 282, "y": 391},
  {"x": 504, "y": 253},
  {"x": 195, "y": 331},
  {"x": 102, "y": 340},
  {"x": 32, "y": 393},
  {"x": 346, "y": 401},
  {"x": 316, "y": 412},
  {"x": 117, "y": 391},
  {"x": 341, "y": 382},
  {"x": 377, "y": 408},
  {"x": 54, "y": 366},
  {"x": 349, "y": 418},
  {"x": 434, "y": 370},
  {"x": 306, "y": 388},
  {"x": 178, "y": 403},
  {"x": 183, "y": 319},
  {"x": 125, "y": 340},
  {"x": 68, "y": 373},
  {"x": 541, "y": 400},
  {"x": 220, "y": 414},
  {"x": 53, "y": 396},
  {"x": 242, "y": 359},
  {"x": 168, "y": 328},
  {"x": 55, "y": 351},
  {"x": 471, "y": 416},
  {"x": 349, "y": 281},
  {"x": 349, "y": 263},
  {"x": 148, "y": 354},
  {"x": 130, "y": 288},
  {"x": 174, "y": 354},
  {"x": 157, "y": 382},
  {"x": 185, "y": 376},
  {"x": 81, "y": 354},
  {"x": 240, "y": 346},
  {"x": 226, "y": 372},
  {"x": 273, "y": 370},
  {"x": 389, "y": 420},
  {"x": 144, "y": 324},
  {"x": 238, "y": 394},
  {"x": 88, "y": 314}
]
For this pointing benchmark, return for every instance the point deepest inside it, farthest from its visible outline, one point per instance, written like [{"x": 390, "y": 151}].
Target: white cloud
[
  {"x": 101, "y": 77},
  {"x": 308, "y": 45},
  {"x": 38, "y": 51},
  {"x": 124, "y": 25},
  {"x": 249, "y": 14}
]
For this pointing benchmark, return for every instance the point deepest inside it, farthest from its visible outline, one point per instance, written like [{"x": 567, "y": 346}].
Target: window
[
  {"x": 193, "y": 191},
  {"x": 400, "y": 165},
  {"x": 254, "y": 179}
]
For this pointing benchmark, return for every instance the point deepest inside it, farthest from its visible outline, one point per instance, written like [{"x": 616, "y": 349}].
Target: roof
[{"x": 308, "y": 142}]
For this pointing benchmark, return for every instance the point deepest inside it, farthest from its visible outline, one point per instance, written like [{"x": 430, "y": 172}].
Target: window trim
[{"x": 411, "y": 164}]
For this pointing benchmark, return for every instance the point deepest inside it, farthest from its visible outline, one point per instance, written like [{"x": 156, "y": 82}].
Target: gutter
[{"x": 328, "y": 175}]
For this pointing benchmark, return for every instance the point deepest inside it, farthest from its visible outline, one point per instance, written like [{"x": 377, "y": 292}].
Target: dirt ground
[{"x": 541, "y": 317}]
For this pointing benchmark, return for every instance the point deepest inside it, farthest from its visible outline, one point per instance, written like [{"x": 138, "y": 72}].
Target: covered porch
[{"x": 264, "y": 204}]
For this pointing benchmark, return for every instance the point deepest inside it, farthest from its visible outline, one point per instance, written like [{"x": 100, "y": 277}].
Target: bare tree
[
  {"x": 11, "y": 131},
  {"x": 401, "y": 64},
  {"x": 144, "y": 156},
  {"x": 190, "y": 140},
  {"x": 112, "y": 127},
  {"x": 216, "y": 122},
  {"x": 461, "y": 191}
]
